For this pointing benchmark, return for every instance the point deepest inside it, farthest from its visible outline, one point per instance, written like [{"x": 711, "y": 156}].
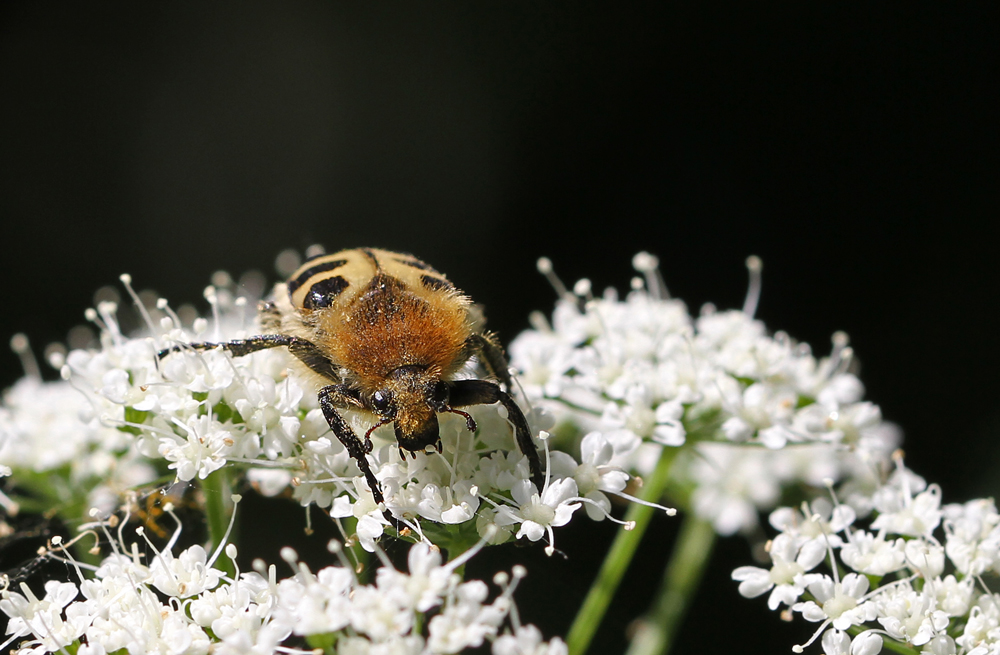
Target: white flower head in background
[
  {"x": 753, "y": 414},
  {"x": 899, "y": 575}
]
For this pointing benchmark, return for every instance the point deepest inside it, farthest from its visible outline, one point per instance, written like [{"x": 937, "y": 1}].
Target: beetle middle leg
[
  {"x": 491, "y": 356},
  {"x": 483, "y": 392},
  {"x": 304, "y": 350}
]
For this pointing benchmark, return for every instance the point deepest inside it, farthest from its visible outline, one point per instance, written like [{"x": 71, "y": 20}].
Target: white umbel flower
[
  {"x": 44, "y": 618},
  {"x": 429, "y": 610},
  {"x": 538, "y": 514},
  {"x": 909, "y": 616},
  {"x": 840, "y": 603},
  {"x": 787, "y": 578},
  {"x": 902, "y": 553},
  {"x": 527, "y": 640}
]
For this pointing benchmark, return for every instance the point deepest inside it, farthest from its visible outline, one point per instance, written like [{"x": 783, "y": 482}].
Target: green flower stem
[
  {"x": 657, "y": 630},
  {"x": 357, "y": 553},
  {"x": 895, "y": 646},
  {"x": 619, "y": 557},
  {"x": 218, "y": 510}
]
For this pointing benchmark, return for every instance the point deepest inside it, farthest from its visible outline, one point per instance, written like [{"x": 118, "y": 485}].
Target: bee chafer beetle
[{"x": 387, "y": 334}]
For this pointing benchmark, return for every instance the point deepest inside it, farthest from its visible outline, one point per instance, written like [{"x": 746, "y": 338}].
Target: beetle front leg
[
  {"x": 482, "y": 392},
  {"x": 330, "y": 399}
]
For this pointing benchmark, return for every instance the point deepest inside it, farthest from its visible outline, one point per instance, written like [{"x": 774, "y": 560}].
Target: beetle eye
[
  {"x": 381, "y": 401},
  {"x": 440, "y": 395}
]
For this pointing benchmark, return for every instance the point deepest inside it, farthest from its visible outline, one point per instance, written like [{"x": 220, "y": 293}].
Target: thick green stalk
[
  {"x": 895, "y": 646},
  {"x": 218, "y": 510},
  {"x": 657, "y": 630},
  {"x": 603, "y": 589}
]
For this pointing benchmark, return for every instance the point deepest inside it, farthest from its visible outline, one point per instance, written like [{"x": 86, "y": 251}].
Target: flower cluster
[
  {"x": 121, "y": 417},
  {"x": 612, "y": 387},
  {"x": 755, "y": 413},
  {"x": 184, "y": 605},
  {"x": 902, "y": 567}
]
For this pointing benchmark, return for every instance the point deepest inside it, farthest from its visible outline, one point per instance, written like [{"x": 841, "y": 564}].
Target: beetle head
[{"x": 411, "y": 397}]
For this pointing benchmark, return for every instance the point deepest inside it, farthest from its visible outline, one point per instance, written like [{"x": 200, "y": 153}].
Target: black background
[{"x": 853, "y": 147}]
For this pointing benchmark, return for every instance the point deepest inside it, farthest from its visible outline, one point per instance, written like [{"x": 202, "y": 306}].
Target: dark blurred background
[{"x": 854, "y": 148}]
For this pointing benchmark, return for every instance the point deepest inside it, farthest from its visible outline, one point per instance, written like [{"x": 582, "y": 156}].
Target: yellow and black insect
[{"x": 386, "y": 333}]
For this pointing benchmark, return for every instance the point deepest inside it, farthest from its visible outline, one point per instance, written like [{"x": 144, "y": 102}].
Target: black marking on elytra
[
  {"x": 367, "y": 252},
  {"x": 323, "y": 293},
  {"x": 436, "y": 283},
  {"x": 315, "y": 257},
  {"x": 414, "y": 262},
  {"x": 322, "y": 267}
]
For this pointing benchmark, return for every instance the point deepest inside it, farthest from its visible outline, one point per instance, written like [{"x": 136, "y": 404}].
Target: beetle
[{"x": 385, "y": 333}]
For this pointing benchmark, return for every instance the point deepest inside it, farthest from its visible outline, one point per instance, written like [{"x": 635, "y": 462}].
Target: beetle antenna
[
  {"x": 376, "y": 427},
  {"x": 469, "y": 421}
]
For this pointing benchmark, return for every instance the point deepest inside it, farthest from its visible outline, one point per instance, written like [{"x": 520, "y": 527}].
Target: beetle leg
[
  {"x": 330, "y": 398},
  {"x": 484, "y": 392},
  {"x": 304, "y": 350},
  {"x": 238, "y": 347},
  {"x": 487, "y": 348}
]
